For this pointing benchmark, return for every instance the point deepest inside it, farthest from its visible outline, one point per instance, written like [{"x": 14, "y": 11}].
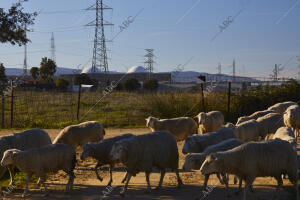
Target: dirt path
[{"x": 88, "y": 187}]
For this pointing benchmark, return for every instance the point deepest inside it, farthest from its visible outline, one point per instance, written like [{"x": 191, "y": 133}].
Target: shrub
[
  {"x": 62, "y": 82},
  {"x": 132, "y": 84},
  {"x": 151, "y": 85}
]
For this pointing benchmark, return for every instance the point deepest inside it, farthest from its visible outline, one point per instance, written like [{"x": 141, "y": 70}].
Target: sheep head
[
  {"x": 150, "y": 121},
  {"x": 211, "y": 164},
  {"x": 118, "y": 151},
  {"x": 87, "y": 151},
  {"x": 193, "y": 162},
  {"x": 202, "y": 118},
  {"x": 9, "y": 157}
]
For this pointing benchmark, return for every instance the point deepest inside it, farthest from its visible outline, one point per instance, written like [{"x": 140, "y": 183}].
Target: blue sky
[{"x": 266, "y": 32}]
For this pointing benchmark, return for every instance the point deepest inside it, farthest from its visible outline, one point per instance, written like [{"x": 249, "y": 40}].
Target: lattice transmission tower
[
  {"x": 149, "y": 60},
  {"x": 99, "y": 53}
]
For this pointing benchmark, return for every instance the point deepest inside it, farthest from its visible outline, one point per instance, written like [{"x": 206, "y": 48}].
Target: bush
[
  {"x": 151, "y": 85},
  {"x": 62, "y": 82},
  {"x": 132, "y": 84}
]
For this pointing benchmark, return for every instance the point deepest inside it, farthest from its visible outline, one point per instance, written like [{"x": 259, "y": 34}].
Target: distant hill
[
  {"x": 192, "y": 76},
  {"x": 59, "y": 70},
  {"x": 182, "y": 76}
]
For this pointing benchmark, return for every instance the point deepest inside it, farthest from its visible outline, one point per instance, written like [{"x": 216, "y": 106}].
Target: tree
[
  {"x": 132, "y": 84},
  {"x": 47, "y": 69},
  {"x": 151, "y": 85},
  {"x": 62, "y": 82},
  {"x": 13, "y": 22},
  {"x": 3, "y": 79},
  {"x": 34, "y": 71}
]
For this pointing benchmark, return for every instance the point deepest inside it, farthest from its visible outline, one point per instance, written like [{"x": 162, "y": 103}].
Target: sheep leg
[
  {"x": 122, "y": 193},
  {"x": 178, "y": 178},
  {"x": 162, "y": 175},
  {"x": 110, "y": 172},
  {"x": 27, "y": 182},
  {"x": 148, "y": 183},
  {"x": 205, "y": 180},
  {"x": 42, "y": 177},
  {"x": 279, "y": 185},
  {"x": 69, "y": 186},
  {"x": 11, "y": 174},
  {"x": 220, "y": 179},
  {"x": 294, "y": 180},
  {"x": 235, "y": 180},
  {"x": 125, "y": 177},
  {"x": 240, "y": 186},
  {"x": 96, "y": 171}
]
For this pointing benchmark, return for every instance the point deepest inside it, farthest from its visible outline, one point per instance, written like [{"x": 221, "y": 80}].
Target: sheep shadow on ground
[{"x": 137, "y": 192}]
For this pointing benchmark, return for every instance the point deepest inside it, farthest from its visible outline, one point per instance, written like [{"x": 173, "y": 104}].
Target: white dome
[
  {"x": 88, "y": 70},
  {"x": 137, "y": 69}
]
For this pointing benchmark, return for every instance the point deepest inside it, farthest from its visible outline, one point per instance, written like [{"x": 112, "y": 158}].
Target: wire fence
[{"x": 57, "y": 109}]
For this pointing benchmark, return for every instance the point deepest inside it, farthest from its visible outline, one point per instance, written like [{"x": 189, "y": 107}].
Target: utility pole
[
  {"x": 99, "y": 53},
  {"x": 149, "y": 60},
  {"x": 233, "y": 71},
  {"x": 52, "y": 50},
  {"x": 25, "y": 58}
]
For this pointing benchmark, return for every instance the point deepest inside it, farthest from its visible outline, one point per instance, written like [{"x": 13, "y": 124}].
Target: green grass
[
  {"x": 34, "y": 109},
  {"x": 20, "y": 180}
]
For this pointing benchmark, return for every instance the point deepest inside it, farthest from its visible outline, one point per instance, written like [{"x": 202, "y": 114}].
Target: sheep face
[
  {"x": 191, "y": 145},
  {"x": 193, "y": 162},
  {"x": 210, "y": 165},
  {"x": 202, "y": 118},
  {"x": 8, "y": 157},
  {"x": 86, "y": 151},
  {"x": 150, "y": 121},
  {"x": 118, "y": 151}
]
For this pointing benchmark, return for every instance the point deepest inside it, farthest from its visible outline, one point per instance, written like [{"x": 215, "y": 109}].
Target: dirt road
[{"x": 88, "y": 187}]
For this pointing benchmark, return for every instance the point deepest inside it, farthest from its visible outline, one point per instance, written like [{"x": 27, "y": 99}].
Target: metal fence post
[
  {"x": 202, "y": 97},
  {"x": 11, "y": 104},
  {"x": 78, "y": 102}
]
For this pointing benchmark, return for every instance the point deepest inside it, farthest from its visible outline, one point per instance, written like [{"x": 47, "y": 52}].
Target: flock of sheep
[{"x": 259, "y": 145}]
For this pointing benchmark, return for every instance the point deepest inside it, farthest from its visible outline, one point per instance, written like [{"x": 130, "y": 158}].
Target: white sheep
[
  {"x": 27, "y": 139},
  {"x": 253, "y": 116},
  {"x": 180, "y": 127},
  {"x": 195, "y": 160},
  {"x": 39, "y": 161},
  {"x": 77, "y": 135},
  {"x": 248, "y": 131},
  {"x": 256, "y": 159},
  {"x": 281, "y": 107},
  {"x": 269, "y": 124},
  {"x": 285, "y": 133},
  {"x": 143, "y": 152},
  {"x": 198, "y": 143},
  {"x": 292, "y": 118},
  {"x": 210, "y": 122}
]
